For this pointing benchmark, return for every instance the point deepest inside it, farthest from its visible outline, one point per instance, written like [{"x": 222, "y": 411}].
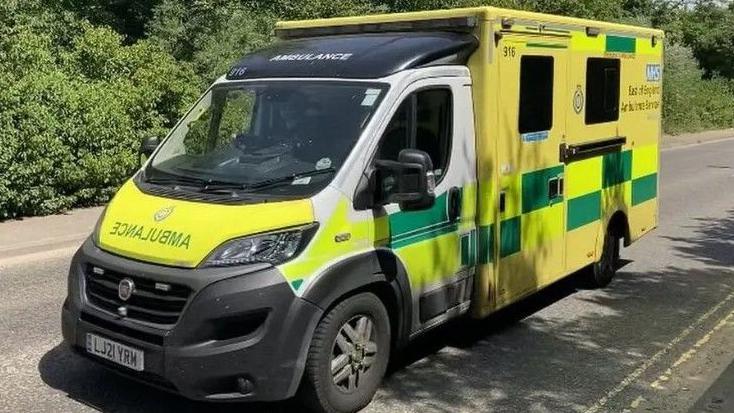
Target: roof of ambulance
[{"x": 355, "y": 56}]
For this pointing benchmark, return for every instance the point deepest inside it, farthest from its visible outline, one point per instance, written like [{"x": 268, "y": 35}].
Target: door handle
[
  {"x": 454, "y": 207},
  {"x": 555, "y": 187}
]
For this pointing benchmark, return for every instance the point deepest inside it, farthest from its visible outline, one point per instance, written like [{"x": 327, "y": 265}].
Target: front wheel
[
  {"x": 348, "y": 356},
  {"x": 605, "y": 269}
]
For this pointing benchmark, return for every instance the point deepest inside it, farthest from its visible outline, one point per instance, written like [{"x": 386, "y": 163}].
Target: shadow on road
[
  {"x": 713, "y": 243},
  {"x": 556, "y": 359},
  {"x": 106, "y": 391},
  {"x": 560, "y": 359}
]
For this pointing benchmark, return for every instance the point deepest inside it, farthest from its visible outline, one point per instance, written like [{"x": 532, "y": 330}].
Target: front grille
[{"x": 162, "y": 305}]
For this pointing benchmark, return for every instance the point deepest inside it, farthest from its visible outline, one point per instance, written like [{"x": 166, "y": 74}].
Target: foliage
[
  {"x": 74, "y": 106},
  {"x": 691, "y": 103},
  {"x": 709, "y": 31},
  {"x": 84, "y": 80},
  {"x": 211, "y": 34}
]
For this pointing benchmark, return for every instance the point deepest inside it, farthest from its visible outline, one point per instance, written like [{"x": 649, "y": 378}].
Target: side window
[
  {"x": 602, "y": 90},
  {"x": 536, "y": 94},
  {"x": 397, "y": 136},
  {"x": 434, "y": 127},
  {"x": 423, "y": 121}
]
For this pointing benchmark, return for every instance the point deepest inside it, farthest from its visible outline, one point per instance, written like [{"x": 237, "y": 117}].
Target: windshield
[{"x": 284, "y": 137}]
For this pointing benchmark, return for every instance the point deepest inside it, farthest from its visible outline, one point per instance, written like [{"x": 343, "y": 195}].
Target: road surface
[{"x": 659, "y": 338}]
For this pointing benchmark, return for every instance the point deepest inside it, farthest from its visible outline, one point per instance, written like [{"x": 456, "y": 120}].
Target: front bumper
[{"x": 243, "y": 334}]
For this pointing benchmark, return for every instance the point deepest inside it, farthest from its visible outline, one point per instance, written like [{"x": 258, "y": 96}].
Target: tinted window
[
  {"x": 536, "y": 94},
  {"x": 434, "y": 127},
  {"x": 423, "y": 121},
  {"x": 397, "y": 135},
  {"x": 602, "y": 90}
]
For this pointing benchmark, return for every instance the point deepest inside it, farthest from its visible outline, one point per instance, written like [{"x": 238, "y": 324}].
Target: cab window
[{"x": 423, "y": 121}]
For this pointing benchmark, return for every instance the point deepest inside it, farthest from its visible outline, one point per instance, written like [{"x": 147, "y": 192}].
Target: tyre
[
  {"x": 603, "y": 270},
  {"x": 348, "y": 356}
]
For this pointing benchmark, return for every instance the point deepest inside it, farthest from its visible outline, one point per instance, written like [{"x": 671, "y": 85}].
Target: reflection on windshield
[{"x": 246, "y": 134}]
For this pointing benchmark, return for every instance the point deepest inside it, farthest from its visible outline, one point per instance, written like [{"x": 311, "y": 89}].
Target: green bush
[
  {"x": 82, "y": 81},
  {"x": 691, "y": 103},
  {"x": 72, "y": 114}
]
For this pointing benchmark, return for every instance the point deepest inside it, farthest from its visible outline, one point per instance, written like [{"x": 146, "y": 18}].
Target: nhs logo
[{"x": 654, "y": 72}]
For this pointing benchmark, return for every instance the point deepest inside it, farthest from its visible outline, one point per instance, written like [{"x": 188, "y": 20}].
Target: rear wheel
[
  {"x": 605, "y": 269},
  {"x": 348, "y": 356}
]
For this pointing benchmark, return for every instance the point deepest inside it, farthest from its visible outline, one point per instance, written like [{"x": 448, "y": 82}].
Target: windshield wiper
[
  {"x": 209, "y": 184},
  {"x": 176, "y": 180},
  {"x": 220, "y": 186},
  {"x": 287, "y": 179},
  {"x": 212, "y": 186}
]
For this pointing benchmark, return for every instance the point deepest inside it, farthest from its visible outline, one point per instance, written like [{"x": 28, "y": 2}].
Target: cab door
[
  {"x": 437, "y": 246},
  {"x": 533, "y": 98}
]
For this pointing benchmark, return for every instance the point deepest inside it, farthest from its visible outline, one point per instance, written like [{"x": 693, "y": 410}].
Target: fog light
[{"x": 245, "y": 386}]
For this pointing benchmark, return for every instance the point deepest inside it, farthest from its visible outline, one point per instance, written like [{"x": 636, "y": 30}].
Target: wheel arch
[
  {"x": 619, "y": 225},
  {"x": 380, "y": 272}
]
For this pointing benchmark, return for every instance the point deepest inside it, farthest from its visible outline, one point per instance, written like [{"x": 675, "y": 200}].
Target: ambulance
[{"x": 360, "y": 182}]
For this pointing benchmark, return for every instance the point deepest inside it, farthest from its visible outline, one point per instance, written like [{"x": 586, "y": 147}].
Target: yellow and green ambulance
[{"x": 360, "y": 182}]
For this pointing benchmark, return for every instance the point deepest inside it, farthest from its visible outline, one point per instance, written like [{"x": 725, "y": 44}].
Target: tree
[
  {"x": 709, "y": 30},
  {"x": 76, "y": 101}
]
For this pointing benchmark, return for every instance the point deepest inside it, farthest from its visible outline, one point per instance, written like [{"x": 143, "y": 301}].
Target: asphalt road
[{"x": 659, "y": 338}]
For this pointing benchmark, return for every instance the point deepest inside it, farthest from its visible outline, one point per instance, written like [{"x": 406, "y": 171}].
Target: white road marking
[{"x": 657, "y": 356}]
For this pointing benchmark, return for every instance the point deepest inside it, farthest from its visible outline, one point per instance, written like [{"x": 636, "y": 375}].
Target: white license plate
[{"x": 115, "y": 352}]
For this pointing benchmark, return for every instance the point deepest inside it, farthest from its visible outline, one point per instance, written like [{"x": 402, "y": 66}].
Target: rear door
[{"x": 533, "y": 97}]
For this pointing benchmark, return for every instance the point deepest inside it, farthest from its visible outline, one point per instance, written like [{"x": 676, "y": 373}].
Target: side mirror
[
  {"x": 409, "y": 181},
  {"x": 148, "y": 146}
]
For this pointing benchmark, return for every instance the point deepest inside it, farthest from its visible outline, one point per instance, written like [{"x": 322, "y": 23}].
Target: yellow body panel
[
  {"x": 183, "y": 233},
  {"x": 468, "y": 208},
  {"x": 645, "y": 161},
  {"x": 616, "y": 198},
  {"x": 485, "y": 117},
  {"x": 582, "y": 244},
  {"x": 583, "y": 177},
  {"x": 645, "y": 47},
  {"x": 643, "y": 218},
  {"x": 543, "y": 231},
  {"x": 326, "y": 247},
  {"x": 512, "y": 187},
  {"x": 580, "y": 42},
  {"x": 428, "y": 268}
]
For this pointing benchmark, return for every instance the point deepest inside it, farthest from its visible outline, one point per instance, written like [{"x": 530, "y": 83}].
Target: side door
[
  {"x": 533, "y": 100},
  {"x": 437, "y": 246}
]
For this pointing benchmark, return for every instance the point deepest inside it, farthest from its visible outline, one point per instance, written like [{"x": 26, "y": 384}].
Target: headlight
[{"x": 272, "y": 248}]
